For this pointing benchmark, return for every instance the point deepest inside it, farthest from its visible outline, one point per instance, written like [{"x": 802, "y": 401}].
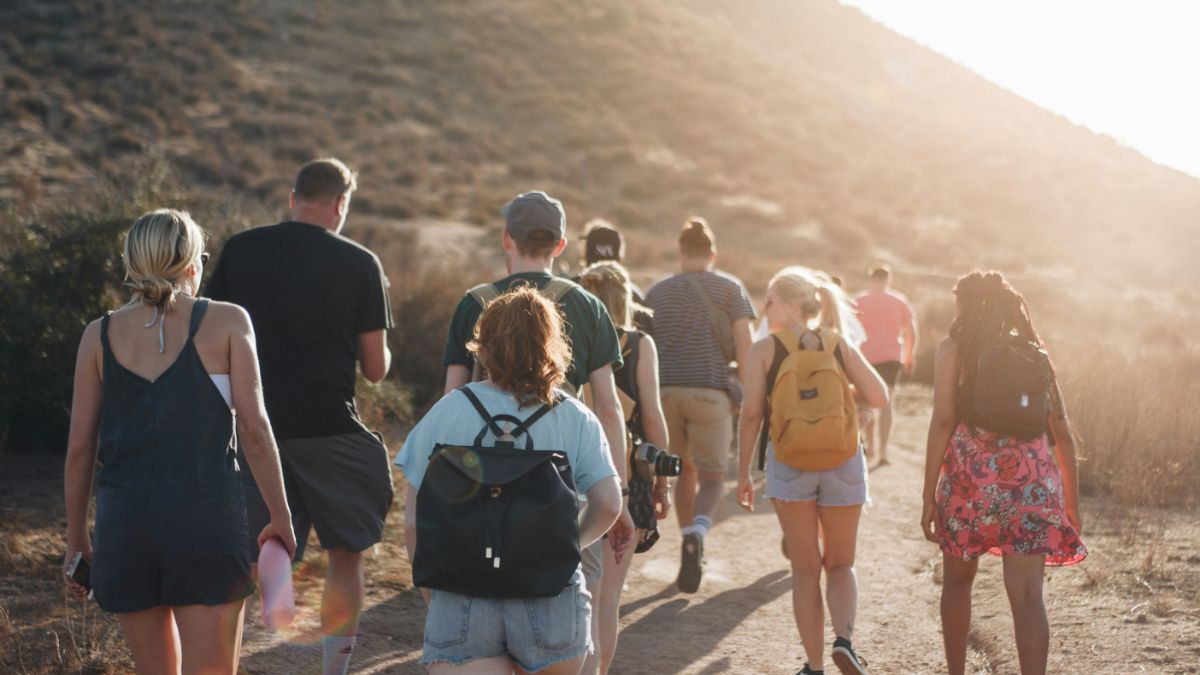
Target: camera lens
[{"x": 668, "y": 465}]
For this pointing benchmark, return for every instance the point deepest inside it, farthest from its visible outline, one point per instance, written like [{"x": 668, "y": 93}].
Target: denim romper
[{"x": 170, "y": 516}]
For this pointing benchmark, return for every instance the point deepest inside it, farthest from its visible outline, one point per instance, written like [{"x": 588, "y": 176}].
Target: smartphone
[{"x": 80, "y": 572}]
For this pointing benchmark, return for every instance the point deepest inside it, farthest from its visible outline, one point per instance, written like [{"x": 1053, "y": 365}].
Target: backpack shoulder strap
[
  {"x": 484, "y": 294},
  {"x": 832, "y": 342},
  {"x": 786, "y": 343},
  {"x": 487, "y": 416},
  {"x": 781, "y": 353},
  {"x": 557, "y": 288},
  {"x": 523, "y": 427}
]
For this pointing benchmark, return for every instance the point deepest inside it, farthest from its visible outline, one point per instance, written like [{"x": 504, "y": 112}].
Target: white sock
[
  {"x": 336, "y": 651},
  {"x": 701, "y": 525}
]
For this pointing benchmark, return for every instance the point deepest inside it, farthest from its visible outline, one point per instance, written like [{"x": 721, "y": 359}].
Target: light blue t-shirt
[{"x": 569, "y": 427}]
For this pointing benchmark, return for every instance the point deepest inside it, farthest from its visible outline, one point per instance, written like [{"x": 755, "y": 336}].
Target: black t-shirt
[{"x": 309, "y": 293}]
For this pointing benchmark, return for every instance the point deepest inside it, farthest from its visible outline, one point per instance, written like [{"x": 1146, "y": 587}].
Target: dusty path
[{"x": 740, "y": 621}]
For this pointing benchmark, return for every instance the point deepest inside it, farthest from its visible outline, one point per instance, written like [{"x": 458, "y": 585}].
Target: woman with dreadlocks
[{"x": 992, "y": 484}]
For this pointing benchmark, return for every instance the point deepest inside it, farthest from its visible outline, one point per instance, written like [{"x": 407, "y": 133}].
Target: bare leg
[
  {"x": 211, "y": 637},
  {"x": 708, "y": 498},
  {"x": 342, "y": 599},
  {"x": 153, "y": 640},
  {"x": 799, "y": 523},
  {"x": 885, "y": 430},
  {"x": 1023, "y": 575},
  {"x": 496, "y": 665},
  {"x": 958, "y": 576},
  {"x": 685, "y": 493},
  {"x": 840, "y": 526},
  {"x": 561, "y": 668},
  {"x": 870, "y": 429},
  {"x": 590, "y": 662},
  {"x": 608, "y": 606}
]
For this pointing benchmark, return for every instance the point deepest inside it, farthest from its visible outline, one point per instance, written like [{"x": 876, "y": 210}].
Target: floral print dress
[{"x": 1003, "y": 496}]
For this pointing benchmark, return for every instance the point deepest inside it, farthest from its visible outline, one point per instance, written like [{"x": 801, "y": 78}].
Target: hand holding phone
[{"x": 78, "y": 576}]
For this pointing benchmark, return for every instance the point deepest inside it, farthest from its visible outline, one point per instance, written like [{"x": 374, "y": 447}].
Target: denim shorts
[
  {"x": 533, "y": 632},
  {"x": 845, "y": 485}
]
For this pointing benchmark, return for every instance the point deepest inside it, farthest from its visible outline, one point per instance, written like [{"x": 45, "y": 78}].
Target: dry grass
[{"x": 1134, "y": 413}]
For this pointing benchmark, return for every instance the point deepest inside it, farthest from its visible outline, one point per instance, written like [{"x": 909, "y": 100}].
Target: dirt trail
[{"x": 741, "y": 622}]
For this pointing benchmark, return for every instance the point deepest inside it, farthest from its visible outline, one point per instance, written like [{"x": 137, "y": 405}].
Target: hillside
[{"x": 812, "y": 132}]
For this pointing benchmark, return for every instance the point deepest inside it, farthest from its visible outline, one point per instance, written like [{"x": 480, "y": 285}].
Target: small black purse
[{"x": 495, "y": 521}]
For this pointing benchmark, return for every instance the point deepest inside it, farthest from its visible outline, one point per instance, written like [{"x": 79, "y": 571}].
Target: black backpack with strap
[
  {"x": 1013, "y": 392},
  {"x": 496, "y": 521}
]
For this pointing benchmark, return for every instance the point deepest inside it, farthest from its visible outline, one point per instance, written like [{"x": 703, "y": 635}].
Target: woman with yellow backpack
[{"x": 803, "y": 381}]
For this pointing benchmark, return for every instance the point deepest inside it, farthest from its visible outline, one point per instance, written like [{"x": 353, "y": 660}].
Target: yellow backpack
[{"x": 811, "y": 417}]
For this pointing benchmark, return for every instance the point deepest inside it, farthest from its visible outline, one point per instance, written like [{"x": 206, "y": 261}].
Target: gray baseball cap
[{"x": 533, "y": 211}]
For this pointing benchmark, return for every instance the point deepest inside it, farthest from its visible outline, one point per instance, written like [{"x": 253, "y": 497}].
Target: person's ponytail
[{"x": 831, "y": 314}]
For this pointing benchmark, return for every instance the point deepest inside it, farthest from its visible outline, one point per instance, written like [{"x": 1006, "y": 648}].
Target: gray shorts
[
  {"x": 339, "y": 485},
  {"x": 533, "y": 632},
  {"x": 845, "y": 485}
]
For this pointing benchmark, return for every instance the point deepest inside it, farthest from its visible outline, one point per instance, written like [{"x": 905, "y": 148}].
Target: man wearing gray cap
[{"x": 535, "y": 234}]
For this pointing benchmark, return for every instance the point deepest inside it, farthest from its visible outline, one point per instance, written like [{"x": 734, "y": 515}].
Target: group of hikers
[{"x": 576, "y": 414}]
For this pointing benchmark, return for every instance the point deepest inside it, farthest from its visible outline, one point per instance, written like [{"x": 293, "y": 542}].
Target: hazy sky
[{"x": 1129, "y": 69}]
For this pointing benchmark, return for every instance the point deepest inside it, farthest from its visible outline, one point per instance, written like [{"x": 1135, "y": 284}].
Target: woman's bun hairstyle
[
  {"x": 697, "y": 239},
  {"x": 158, "y": 250}
]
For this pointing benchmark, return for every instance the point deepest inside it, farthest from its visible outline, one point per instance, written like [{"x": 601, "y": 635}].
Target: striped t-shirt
[{"x": 688, "y": 353}]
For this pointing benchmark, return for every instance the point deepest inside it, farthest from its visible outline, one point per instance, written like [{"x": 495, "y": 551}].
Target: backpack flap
[{"x": 484, "y": 466}]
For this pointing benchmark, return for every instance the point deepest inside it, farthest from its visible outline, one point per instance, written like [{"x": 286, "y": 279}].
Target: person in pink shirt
[{"x": 891, "y": 342}]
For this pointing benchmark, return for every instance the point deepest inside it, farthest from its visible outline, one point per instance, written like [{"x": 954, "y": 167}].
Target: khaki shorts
[{"x": 700, "y": 423}]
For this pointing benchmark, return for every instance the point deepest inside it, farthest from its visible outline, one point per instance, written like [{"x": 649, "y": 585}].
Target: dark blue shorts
[{"x": 170, "y": 545}]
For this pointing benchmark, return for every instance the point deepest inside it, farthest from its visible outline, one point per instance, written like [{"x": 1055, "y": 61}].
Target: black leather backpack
[{"x": 497, "y": 521}]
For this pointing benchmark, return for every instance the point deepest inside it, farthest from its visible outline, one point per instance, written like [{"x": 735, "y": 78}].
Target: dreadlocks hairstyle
[{"x": 990, "y": 311}]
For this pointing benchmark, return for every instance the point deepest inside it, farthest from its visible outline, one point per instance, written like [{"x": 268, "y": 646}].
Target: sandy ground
[{"x": 1132, "y": 605}]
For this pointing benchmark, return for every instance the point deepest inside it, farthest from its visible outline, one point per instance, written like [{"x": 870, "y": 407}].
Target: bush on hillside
[{"x": 61, "y": 268}]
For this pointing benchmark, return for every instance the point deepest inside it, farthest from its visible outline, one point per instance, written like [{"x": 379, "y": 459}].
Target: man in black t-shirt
[{"x": 319, "y": 305}]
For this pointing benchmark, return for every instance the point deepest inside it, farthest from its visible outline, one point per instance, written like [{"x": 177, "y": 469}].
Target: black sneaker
[
  {"x": 845, "y": 658},
  {"x": 809, "y": 671},
  {"x": 690, "y": 565}
]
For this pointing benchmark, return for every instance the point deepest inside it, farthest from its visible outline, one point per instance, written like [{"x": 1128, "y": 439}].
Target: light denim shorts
[
  {"x": 845, "y": 485},
  {"x": 533, "y": 632}
]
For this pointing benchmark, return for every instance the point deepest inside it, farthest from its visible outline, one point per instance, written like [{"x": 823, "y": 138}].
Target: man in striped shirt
[{"x": 694, "y": 371}]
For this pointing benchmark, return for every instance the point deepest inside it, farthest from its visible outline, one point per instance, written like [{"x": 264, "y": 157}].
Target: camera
[{"x": 657, "y": 461}]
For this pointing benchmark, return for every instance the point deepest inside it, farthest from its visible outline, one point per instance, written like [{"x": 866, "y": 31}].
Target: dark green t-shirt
[{"x": 590, "y": 330}]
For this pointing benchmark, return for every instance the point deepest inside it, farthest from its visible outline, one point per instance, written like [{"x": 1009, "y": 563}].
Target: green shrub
[{"x": 60, "y": 268}]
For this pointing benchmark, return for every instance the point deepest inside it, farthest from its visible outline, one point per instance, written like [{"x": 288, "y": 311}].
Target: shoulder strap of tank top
[
  {"x": 198, "y": 310},
  {"x": 104, "y": 333}
]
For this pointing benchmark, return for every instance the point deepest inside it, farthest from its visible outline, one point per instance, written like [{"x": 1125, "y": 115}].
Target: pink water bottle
[{"x": 275, "y": 584}]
